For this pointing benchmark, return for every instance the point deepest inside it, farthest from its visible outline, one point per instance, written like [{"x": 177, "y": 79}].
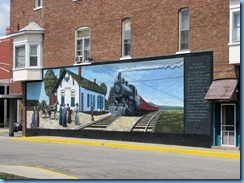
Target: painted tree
[
  {"x": 104, "y": 87},
  {"x": 50, "y": 81},
  {"x": 61, "y": 71},
  {"x": 110, "y": 97}
]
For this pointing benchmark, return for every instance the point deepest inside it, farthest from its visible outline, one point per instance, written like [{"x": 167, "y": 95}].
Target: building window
[
  {"x": 99, "y": 102},
  {"x": 83, "y": 44},
  {"x": 20, "y": 57},
  {"x": 94, "y": 101},
  {"x": 27, "y": 56},
  {"x": 38, "y": 3},
  {"x": 72, "y": 98},
  {"x": 33, "y": 56},
  {"x": 126, "y": 37},
  {"x": 62, "y": 98},
  {"x": 184, "y": 29},
  {"x": 88, "y": 100},
  {"x": 236, "y": 27}
]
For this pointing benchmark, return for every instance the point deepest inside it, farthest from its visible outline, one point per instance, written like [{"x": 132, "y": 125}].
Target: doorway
[{"x": 228, "y": 125}]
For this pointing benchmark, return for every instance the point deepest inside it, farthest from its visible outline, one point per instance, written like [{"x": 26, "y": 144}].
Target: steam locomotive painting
[{"x": 127, "y": 101}]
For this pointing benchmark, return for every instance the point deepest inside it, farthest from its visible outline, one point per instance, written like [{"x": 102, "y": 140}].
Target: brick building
[
  {"x": 6, "y": 81},
  {"x": 78, "y": 32},
  {"x": 5, "y": 75}
]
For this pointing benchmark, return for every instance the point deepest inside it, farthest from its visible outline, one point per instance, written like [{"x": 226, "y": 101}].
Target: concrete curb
[{"x": 135, "y": 146}]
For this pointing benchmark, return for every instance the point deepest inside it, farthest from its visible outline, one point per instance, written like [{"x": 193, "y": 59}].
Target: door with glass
[{"x": 228, "y": 124}]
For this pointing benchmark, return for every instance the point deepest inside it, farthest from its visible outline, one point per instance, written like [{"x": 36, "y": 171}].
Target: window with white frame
[
  {"x": 184, "y": 29},
  {"x": 38, "y": 3},
  {"x": 83, "y": 44},
  {"x": 126, "y": 37},
  {"x": 33, "y": 56},
  {"x": 236, "y": 27},
  {"x": 27, "y": 56},
  {"x": 20, "y": 56},
  {"x": 72, "y": 98},
  {"x": 62, "y": 98}
]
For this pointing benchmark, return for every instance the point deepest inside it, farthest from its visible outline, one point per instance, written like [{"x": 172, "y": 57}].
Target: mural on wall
[{"x": 143, "y": 96}]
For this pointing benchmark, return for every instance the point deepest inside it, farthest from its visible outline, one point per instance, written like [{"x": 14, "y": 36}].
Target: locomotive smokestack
[{"x": 119, "y": 76}]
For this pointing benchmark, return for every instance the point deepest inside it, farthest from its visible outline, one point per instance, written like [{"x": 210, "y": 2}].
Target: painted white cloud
[{"x": 4, "y": 18}]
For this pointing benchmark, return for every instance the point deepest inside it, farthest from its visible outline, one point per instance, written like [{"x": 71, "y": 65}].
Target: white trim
[
  {"x": 37, "y": 8},
  {"x": 4, "y": 37},
  {"x": 27, "y": 32},
  {"x": 125, "y": 58},
  {"x": 234, "y": 44},
  {"x": 183, "y": 52},
  {"x": 27, "y": 68}
]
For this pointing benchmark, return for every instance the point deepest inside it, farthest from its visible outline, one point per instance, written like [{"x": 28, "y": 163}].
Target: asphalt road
[{"x": 87, "y": 162}]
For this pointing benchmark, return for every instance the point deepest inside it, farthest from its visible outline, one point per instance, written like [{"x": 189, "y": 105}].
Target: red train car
[{"x": 145, "y": 106}]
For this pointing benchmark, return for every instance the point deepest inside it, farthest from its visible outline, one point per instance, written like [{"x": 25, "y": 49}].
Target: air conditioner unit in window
[{"x": 78, "y": 59}]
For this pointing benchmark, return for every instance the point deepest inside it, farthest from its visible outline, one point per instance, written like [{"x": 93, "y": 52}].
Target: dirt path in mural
[{"x": 48, "y": 123}]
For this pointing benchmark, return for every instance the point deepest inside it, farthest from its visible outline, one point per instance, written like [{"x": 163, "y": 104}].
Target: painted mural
[{"x": 143, "y": 96}]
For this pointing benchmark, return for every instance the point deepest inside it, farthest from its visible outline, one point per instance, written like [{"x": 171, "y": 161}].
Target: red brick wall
[
  {"x": 5, "y": 57},
  {"x": 154, "y": 28}
]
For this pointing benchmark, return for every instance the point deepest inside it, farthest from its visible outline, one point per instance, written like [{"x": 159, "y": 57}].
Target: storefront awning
[{"x": 224, "y": 89}]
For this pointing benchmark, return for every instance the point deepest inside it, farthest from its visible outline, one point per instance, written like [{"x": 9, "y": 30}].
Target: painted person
[
  {"x": 43, "y": 108},
  {"x": 77, "y": 119},
  {"x": 64, "y": 116},
  {"x": 68, "y": 114},
  {"x": 60, "y": 115},
  {"x": 37, "y": 118},
  {"x": 33, "y": 119}
]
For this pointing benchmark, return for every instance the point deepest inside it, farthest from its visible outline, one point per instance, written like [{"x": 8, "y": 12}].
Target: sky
[
  {"x": 4, "y": 16},
  {"x": 155, "y": 81}
]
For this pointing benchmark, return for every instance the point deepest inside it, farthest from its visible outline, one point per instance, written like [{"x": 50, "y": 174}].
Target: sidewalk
[{"x": 33, "y": 172}]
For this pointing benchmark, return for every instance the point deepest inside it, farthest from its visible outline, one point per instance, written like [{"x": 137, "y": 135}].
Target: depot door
[{"x": 228, "y": 124}]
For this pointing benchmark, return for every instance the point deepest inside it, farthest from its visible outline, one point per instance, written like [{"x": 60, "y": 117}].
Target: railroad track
[
  {"x": 147, "y": 122},
  {"x": 102, "y": 124}
]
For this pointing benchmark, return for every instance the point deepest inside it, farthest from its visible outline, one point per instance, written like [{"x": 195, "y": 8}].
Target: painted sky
[{"x": 154, "y": 82}]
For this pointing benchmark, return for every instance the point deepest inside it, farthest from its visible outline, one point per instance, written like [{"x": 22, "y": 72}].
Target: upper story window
[
  {"x": 83, "y": 44},
  {"x": 126, "y": 37},
  {"x": 38, "y": 4},
  {"x": 33, "y": 55},
  {"x": 27, "y": 56},
  {"x": 236, "y": 26},
  {"x": 20, "y": 56},
  {"x": 184, "y": 29}
]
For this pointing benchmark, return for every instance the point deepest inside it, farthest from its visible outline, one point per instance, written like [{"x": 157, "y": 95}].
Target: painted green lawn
[
  {"x": 170, "y": 121},
  {"x": 10, "y": 176}
]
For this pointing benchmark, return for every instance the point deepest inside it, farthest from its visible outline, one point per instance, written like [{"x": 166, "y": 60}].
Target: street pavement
[{"x": 40, "y": 173}]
